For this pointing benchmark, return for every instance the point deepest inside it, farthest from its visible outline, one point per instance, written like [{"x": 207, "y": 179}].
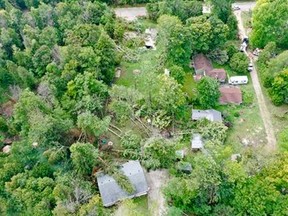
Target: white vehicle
[
  {"x": 250, "y": 67},
  {"x": 238, "y": 80},
  {"x": 236, "y": 8},
  {"x": 243, "y": 47}
]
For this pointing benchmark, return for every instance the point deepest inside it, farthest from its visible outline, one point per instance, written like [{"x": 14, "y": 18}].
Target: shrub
[{"x": 239, "y": 62}]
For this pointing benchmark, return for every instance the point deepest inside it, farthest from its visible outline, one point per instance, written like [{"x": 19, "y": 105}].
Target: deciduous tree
[{"x": 208, "y": 92}]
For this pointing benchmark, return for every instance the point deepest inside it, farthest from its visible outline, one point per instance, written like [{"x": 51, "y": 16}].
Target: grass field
[
  {"x": 136, "y": 207},
  {"x": 189, "y": 86},
  {"x": 147, "y": 60}
]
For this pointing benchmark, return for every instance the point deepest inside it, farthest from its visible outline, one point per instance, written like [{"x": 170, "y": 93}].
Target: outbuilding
[
  {"x": 211, "y": 115},
  {"x": 197, "y": 142}
]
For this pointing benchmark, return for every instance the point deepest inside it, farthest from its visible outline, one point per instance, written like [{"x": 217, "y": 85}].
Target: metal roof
[
  {"x": 111, "y": 192},
  {"x": 196, "y": 142},
  {"x": 211, "y": 115}
]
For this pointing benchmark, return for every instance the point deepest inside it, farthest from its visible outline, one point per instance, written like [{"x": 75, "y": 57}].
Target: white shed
[{"x": 197, "y": 142}]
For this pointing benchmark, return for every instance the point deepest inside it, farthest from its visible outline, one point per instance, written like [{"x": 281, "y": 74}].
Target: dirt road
[
  {"x": 265, "y": 114},
  {"x": 130, "y": 14},
  {"x": 156, "y": 201}
]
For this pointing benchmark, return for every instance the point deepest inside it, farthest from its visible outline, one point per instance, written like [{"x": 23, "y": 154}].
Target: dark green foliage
[
  {"x": 158, "y": 153},
  {"x": 233, "y": 28},
  {"x": 208, "y": 92},
  {"x": 219, "y": 56},
  {"x": 123, "y": 182},
  {"x": 180, "y": 8},
  {"x": 239, "y": 63},
  {"x": 84, "y": 157},
  {"x": 222, "y": 9},
  {"x": 279, "y": 88},
  {"x": 270, "y": 23},
  {"x": 175, "y": 40},
  {"x": 207, "y": 33},
  {"x": 273, "y": 72},
  {"x": 106, "y": 51},
  {"x": 230, "y": 48},
  {"x": 130, "y": 144},
  {"x": 177, "y": 73}
]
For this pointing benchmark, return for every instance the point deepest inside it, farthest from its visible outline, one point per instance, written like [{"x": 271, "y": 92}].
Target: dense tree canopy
[
  {"x": 270, "y": 23},
  {"x": 80, "y": 94},
  {"x": 208, "y": 92}
]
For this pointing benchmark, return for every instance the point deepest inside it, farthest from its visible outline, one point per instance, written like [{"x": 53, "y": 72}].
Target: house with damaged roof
[
  {"x": 111, "y": 192},
  {"x": 203, "y": 67}
]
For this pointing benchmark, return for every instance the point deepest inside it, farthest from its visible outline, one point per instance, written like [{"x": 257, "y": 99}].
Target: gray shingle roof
[
  {"x": 111, "y": 192},
  {"x": 212, "y": 115}
]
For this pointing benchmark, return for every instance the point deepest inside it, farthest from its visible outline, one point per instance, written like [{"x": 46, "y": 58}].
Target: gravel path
[
  {"x": 156, "y": 201},
  {"x": 265, "y": 114}
]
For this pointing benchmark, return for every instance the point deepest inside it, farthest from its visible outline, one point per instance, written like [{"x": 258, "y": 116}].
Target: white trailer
[{"x": 238, "y": 80}]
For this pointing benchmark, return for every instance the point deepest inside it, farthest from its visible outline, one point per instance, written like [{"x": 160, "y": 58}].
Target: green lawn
[
  {"x": 246, "y": 120},
  {"x": 148, "y": 60},
  {"x": 189, "y": 86},
  {"x": 134, "y": 207}
]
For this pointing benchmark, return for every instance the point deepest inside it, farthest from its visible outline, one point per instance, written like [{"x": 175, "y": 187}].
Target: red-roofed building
[
  {"x": 230, "y": 95},
  {"x": 219, "y": 74}
]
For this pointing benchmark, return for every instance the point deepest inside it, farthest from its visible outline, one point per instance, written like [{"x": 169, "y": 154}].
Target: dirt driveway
[
  {"x": 130, "y": 14},
  {"x": 265, "y": 114},
  {"x": 156, "y": 201}
]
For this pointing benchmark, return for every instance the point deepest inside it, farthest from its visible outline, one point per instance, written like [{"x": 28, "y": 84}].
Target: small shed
[
  {"x": 180, "y": 154},
  {"x": 184, "y": 167},
  {"x": 211, "y": 115},
  {"x": 197, "y": 142},
  {"x": 110, "y": 190}
]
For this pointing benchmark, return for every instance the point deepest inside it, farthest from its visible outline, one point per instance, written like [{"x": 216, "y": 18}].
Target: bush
[
  {"x": 219, "y": 56},
  {"x": 158, "y": 153},
  {"x": 247, "y": 98},
  {"x": 239, "y": 63},
  {"x": 177, "y": 73},
  {"x": 3, "y": 125},
  {"x": 230, "y": 48}
]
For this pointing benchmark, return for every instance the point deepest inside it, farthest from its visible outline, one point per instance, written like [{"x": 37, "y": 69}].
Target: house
[
  {"x": 202, "y": 64},
  {"x": 203, "y": 67},
  {"x": 211, "y": 115},
  {"x": 217, "y": 73},
  {"x": 230, "y": 95},
  {"x": 197, "y": 142},
  {"x": 110, "y": 190}
]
